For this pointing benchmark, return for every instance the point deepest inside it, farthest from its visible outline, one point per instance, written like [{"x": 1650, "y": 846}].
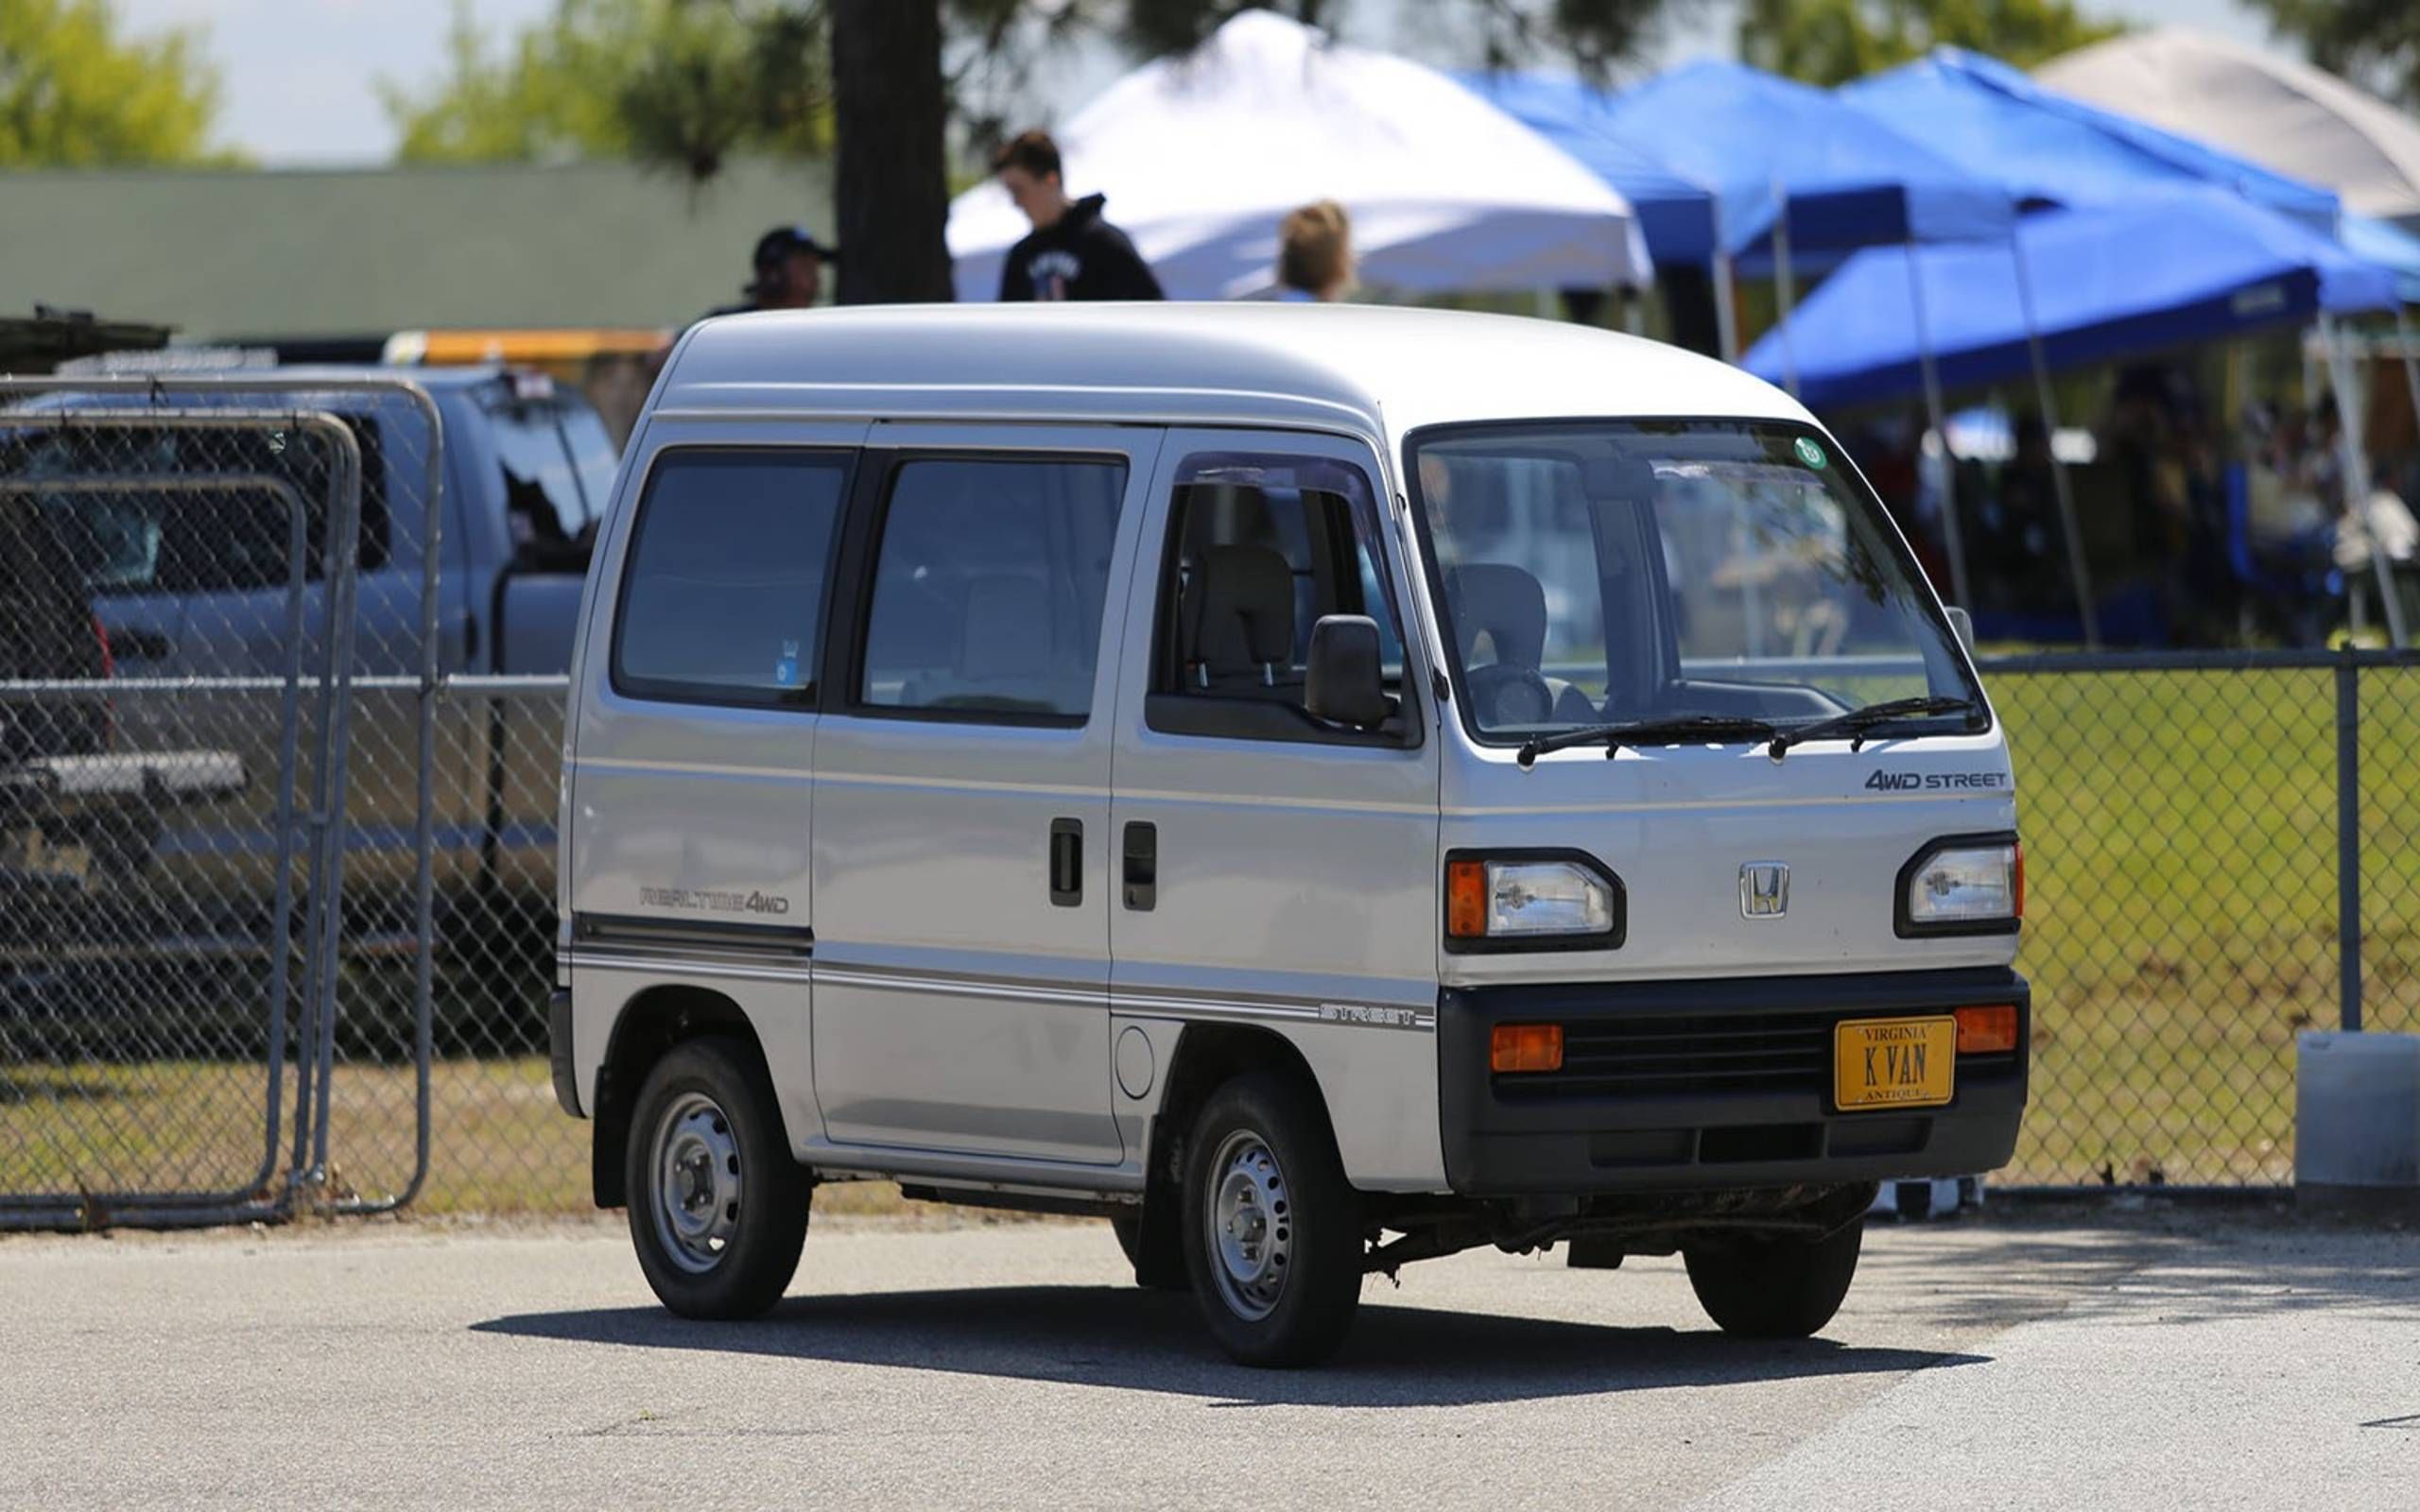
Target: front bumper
[{"x": 1714, "y": 1084}]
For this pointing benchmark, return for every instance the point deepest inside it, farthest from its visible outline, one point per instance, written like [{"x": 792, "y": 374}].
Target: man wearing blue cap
[{"x": 790, "y": 271}]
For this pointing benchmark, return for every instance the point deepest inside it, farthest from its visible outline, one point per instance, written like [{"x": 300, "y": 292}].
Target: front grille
[{"x": 1658, "y": 1054}]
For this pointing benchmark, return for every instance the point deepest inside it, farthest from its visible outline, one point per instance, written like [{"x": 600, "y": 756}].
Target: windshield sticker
[
  {"x": 1936, "y": 781},
  {"x": 1812, "y": 454}
]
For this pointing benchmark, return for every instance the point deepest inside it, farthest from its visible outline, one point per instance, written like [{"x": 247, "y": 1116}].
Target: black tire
[
  {"x": 1299, "y": 1223},
  {"x": 1775, "y": 1288},
  {"x": 711, "y": 1098},
  {"x": 1154, "y": 1245}
]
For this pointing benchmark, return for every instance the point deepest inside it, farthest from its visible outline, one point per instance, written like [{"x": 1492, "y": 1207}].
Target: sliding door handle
[{"x": 1066, "y": 862}]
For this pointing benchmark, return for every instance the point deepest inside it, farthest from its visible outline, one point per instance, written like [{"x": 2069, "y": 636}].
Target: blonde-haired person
[{"x": 1315, "y": 253}]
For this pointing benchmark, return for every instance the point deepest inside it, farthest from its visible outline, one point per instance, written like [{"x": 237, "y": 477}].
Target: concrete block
[{"x": 2357, "y": 1121}]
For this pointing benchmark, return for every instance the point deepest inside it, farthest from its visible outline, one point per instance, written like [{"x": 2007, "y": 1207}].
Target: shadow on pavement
[{"x": 1118, "y": 1336}]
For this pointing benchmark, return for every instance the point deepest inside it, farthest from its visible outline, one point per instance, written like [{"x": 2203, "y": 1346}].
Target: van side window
[
  {"x": 989, "y": 585},
  {"x": 1261, "y": 547},
  {"x": 722, "y": 600}
]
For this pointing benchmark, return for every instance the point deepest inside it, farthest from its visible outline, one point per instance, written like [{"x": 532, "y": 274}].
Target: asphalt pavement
[{"x": 2102, "y": 1358}]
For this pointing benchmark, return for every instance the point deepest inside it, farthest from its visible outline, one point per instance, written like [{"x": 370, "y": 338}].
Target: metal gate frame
[{"x": 309, "y": 1173}]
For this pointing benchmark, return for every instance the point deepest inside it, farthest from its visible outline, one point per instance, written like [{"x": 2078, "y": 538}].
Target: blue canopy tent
[
  {"x": 1678, "y": 216},
  {"x": 1726, "y": 162},
  {"x": 2185, "y": 266},
  {"x": 2047, "y": 148},
  {"x": 1790, "y": 171}
]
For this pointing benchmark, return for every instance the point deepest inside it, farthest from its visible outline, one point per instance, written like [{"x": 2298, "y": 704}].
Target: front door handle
[
  {"x": 1066, "y": 862},
  {"x": 1142, "y": 857}
]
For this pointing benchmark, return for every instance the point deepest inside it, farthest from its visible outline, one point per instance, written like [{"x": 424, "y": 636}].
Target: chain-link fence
[
  {"x": 2196, "y": 895},
  {"x": 237, "y": 974},
  {"x": 199, "y": 585}
]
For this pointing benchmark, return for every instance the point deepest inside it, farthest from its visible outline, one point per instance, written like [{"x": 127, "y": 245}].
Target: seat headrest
[
  {"x": 1228, "y": 514},
  {"x": 1006, "y": 631},
  {"x": 1506, "y": 602},
  {"x": 1247, "y": 610}
]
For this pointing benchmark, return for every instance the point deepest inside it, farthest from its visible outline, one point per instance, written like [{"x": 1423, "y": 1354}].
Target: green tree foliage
[
  {"x": 74, "y": 92},
  {"x": 2374, "y": 43},
  {"x": 683, "y": 83},
  {"x": 1832, "y": 42}
]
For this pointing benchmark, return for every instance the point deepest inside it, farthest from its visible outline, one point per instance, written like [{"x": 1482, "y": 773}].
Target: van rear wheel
[
  {"x": 1769, "y": 1288},
  {"x": 717, "y": 1207},
  {"x": 1272, "y": 1230}
]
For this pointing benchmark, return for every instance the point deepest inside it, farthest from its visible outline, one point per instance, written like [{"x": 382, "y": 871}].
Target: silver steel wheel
[
  {"x": 696, "y": 1182},
  {"x": 1251, "y": 1226}
]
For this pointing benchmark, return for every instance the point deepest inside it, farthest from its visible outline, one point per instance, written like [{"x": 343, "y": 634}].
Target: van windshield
[{"x": 1596, "y": 573}]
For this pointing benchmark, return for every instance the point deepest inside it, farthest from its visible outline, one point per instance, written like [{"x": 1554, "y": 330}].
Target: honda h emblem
[{"x": 1763, "y": 890}]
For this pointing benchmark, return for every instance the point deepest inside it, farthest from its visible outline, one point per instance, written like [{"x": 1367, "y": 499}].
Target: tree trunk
[{"x": 892, "y": 188}]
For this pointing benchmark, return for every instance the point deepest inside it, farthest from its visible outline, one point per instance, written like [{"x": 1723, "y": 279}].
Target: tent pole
[
  {"x": 1784, "y": 287},
  {"x": 2059, "y": 480},
  {"x": 2410, "y": 364},
  {"x": 1953, "y": 537},
  {"x": 1726, "y": 312},
  {"x": 2357, "y": 467}
]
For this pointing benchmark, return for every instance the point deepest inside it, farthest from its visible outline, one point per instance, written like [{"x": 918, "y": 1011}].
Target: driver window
[{"x": 1260, "y": 547}]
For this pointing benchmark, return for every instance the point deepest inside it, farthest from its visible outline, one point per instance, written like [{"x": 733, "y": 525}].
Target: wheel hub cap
[
  {"x": 696, "y": 1182},
  {"x": 1251, "y": 1226}
]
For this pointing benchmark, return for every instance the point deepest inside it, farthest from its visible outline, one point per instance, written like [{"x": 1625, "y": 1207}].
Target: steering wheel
[{"x": 1505, "y": 697}]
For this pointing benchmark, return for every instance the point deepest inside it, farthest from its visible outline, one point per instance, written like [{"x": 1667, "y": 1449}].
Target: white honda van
[{"x": 1320, "y": 786}]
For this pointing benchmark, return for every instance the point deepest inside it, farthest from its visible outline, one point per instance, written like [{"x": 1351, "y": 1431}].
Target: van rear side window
[
  {"x": 723, "y": 601},
  {"x": 989, "y": 587}
]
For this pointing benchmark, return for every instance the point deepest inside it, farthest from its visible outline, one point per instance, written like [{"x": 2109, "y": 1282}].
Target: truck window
[
  {"x": 987, "y": 587},
  {"x": 172, "y": 539},
  {"x": 722, "y": 600},
  {"x": 558, "y": 465},
  {"x": 1261, "y": 546}
]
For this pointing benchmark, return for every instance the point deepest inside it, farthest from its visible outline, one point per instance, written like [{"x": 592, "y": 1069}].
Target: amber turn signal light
[
  {"x": 1983, "y": 1031},
  {"x": 1526, "y": 1047},
  {"x": 1466, "y": 900}
]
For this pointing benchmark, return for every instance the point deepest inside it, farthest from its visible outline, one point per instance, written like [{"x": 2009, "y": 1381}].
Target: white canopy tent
[
  {"x": 2281, "y": 114},
  {"x": 1201, "y": 156}
]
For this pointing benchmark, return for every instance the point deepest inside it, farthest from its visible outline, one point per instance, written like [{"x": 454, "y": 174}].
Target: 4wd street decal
[{"x": 1882, "y": 781}]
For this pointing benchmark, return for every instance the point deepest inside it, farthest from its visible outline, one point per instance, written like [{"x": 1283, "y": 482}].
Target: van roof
[{"x": 1337, "y": 367}]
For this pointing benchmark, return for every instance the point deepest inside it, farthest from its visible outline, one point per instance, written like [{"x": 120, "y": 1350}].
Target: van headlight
[
  {"x": 1965, "y": 885},
  {"x": 1530, "y": 899}
]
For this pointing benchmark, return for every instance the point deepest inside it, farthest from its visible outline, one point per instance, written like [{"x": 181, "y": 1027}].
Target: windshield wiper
[
  {"x": 1858, "y": 724},
  {"x": 1672, "y": 732}
]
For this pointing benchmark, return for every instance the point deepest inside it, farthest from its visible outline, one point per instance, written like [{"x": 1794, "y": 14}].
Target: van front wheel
[
  {"x": 1272, "y": 1230},
  {"x": 1762, "y": 1288},
  {"x": 718, "y": 1206}
]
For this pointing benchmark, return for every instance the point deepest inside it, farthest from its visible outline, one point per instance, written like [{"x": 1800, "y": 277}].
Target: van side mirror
[
  {"x": 1963, "y": 624},
  {"x": 1344, "y": 683}
]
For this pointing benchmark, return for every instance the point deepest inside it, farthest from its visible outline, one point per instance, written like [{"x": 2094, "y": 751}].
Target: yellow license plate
[{"x": 1894, "y": 1062}]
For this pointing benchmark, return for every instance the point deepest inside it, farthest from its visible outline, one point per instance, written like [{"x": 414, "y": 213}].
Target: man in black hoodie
[{"x": 1072, "y": 253}]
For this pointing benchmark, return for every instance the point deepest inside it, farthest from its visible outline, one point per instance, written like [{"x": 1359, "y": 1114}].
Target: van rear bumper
[{"x": 1713, "y": 1084}]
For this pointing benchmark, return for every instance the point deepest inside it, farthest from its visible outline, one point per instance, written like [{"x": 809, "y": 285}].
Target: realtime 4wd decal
[
  {"x": 1883, "y": 781},
  {"x": 711, "y": 901}
]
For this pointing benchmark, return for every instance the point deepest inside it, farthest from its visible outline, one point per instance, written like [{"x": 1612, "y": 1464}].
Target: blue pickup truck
[{"x": 179, "y": 587}]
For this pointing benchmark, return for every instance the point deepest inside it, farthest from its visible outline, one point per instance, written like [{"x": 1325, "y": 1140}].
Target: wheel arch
[
  {"x": 647, "y": 1027},
  {"x": 1206, "y": 1056}
]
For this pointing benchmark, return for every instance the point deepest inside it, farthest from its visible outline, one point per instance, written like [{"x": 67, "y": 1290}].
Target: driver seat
[{"x": 1508, "y": 605}]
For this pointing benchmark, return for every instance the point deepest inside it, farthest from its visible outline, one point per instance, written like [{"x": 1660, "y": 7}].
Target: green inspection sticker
[{"x": 1812, "y": 454}]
